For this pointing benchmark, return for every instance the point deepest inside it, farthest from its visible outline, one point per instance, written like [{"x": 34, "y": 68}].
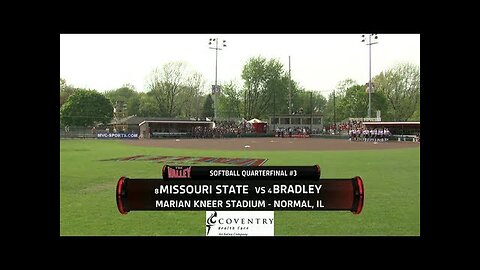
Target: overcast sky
[{"x": 318, "y": 61}]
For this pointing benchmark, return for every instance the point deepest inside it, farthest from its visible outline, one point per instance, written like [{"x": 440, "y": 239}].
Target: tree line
[{"x": 175, "y": 91}]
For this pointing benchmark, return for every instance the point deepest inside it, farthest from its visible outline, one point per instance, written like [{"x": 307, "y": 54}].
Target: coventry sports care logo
[
  {"x": 239, "y": 223},
  {"x": 179, "y": 173},
  {"x": 211, "y": 221}
]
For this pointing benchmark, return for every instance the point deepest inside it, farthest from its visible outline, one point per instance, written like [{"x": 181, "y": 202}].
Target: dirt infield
[{"x": 280, "y": 144}]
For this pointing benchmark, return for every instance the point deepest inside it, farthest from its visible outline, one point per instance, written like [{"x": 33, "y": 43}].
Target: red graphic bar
[
  {"x": 242, "y": 172},
  {"x": 249, "y": 195},
  {"x": 121, "y": 195}
]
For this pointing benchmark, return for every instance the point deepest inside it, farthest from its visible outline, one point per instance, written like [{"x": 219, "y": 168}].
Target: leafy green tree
[
  {"x": 299, "y": 96},
  {"x": 401, "y": 87},
  {"x": 352, "y": 102},
  {"x": 85, "y": 108},
  {"x": 229, "y": 101},
  {"x": 133, "y": 105},
  {"x": 342, "y": 87},
  {"x": 416, "y": 114},
  {"x": 279, "y": 98},
  {"x": 201, "y": 101},
  {"x": 337, "y": 113},
  {"x": 123, "y": 93},
  {"x": 166, "y": 85},
  {"x": 379, "y": 103},
  {"x": 355, "y": 102},
  {"x": 190, "y": 95},
  {"x": 306, "y": 101},
  {"x": 65, "y": 91},
  {"x": 126, "y": 94},
  {"x": 208, "y": 110},
  {"x": 147, "y": 106},
  {"x": 328, "y": 115},
  {"x": 264, "y": 83},
  {"x": 319, "y": 103}
]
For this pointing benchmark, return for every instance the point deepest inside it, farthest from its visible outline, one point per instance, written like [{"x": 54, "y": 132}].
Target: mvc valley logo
[
  {"x": 239, "y": 223},
  {"x": 179, "y": 172}
]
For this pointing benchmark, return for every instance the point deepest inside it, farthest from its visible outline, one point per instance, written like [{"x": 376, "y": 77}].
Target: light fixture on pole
[
  {"x": 370, "y": 43},
  {"x": 215, "y": 88}
]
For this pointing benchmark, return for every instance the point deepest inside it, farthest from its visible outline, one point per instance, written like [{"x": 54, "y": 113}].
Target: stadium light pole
[
  {"x": 215, "y": 89},
  {"x": 370, "y": 43}
]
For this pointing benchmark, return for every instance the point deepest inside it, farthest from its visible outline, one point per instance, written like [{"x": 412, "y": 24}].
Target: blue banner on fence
[{"x": 117, "y": 136}]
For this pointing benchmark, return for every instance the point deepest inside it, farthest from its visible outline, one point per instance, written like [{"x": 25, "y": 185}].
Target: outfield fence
[
  {"x": 77, "y": 132},
  {"x": 86, "y": 132}
]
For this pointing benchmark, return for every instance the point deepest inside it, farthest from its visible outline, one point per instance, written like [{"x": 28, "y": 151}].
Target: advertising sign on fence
[{"x": 117, "y": 136}]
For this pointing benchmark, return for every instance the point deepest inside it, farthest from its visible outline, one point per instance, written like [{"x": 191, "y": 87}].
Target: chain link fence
[{"x": 77, "y": 132}]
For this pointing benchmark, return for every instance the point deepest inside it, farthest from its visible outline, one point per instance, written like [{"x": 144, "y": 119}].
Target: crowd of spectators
[
  {"x": 289, "y": 131},
  {"x": 222, "y": 129}
]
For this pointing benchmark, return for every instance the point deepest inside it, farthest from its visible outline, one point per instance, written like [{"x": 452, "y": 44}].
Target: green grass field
[{"x": 88, "y": 205}]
